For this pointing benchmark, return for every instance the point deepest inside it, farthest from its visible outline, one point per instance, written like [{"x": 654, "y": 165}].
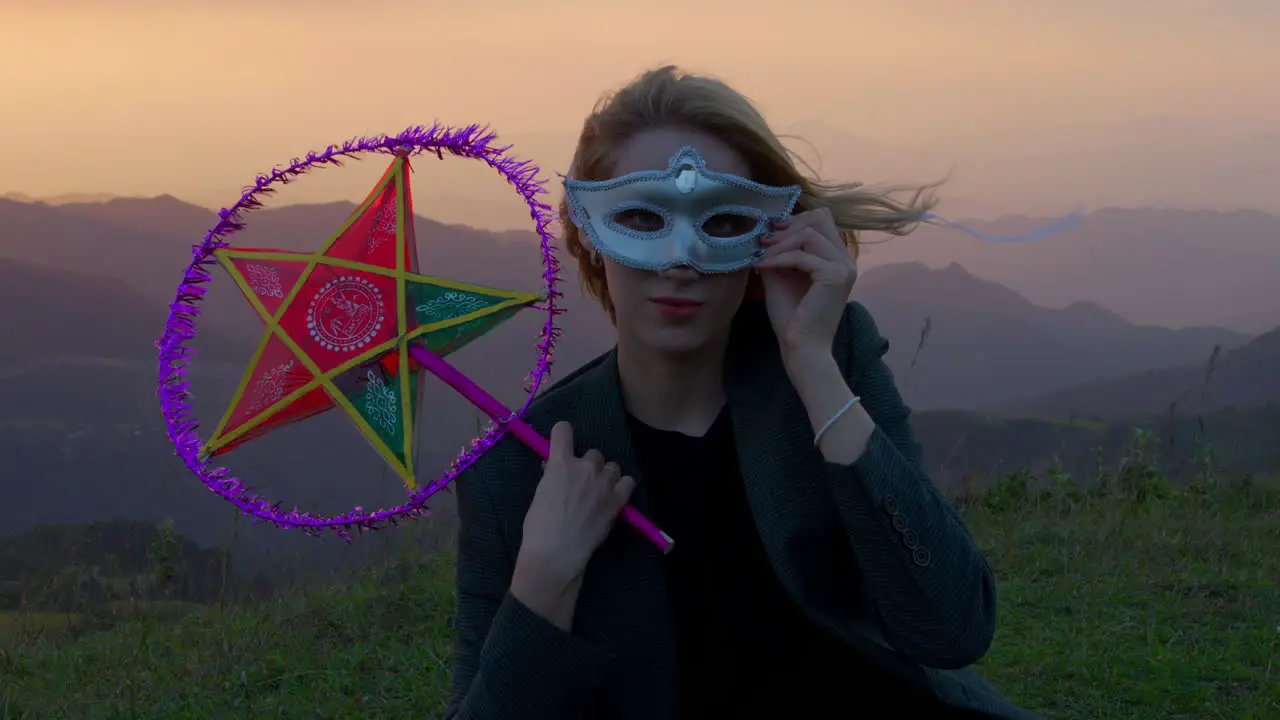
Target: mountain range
[
  {"x": 1002, "y": 346},
  {"x": 1242, "y": 377},
  {"x": 1222, "y": 263},
  {"x": 80, "y": 433},
  {"x": 59, "y": 315},
  {"x": 987, "y": 346},
  {"x": 1176, "y": 268}
]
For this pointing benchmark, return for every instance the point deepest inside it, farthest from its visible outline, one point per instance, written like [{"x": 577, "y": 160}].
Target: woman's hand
[
  {"x": 808, "y": 273},
  {"x": 573, "y": 509}
]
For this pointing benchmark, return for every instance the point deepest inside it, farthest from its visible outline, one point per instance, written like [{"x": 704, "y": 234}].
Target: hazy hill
[
  {"x": 1040, "y": 350},
  {"x": 1247, "y": 376},
  {"x": 67, "y": 240},
  {"x": 61, "y": 239},
  {"x": 146, "y": 243},
  {"x": 164, "y": 215},
  {"x": 1221, "y": 263},
  {"x": 988, "y": 345},
  {"x": 58, "y": 315},
  {"x": 1176, "y": 268}
]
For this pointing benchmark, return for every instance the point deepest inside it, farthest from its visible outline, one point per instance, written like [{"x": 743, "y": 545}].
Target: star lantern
[{"x": 339, "y": 323}]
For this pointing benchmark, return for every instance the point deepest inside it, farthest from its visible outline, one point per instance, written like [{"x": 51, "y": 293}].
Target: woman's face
[{"x": 679, "y": 310}]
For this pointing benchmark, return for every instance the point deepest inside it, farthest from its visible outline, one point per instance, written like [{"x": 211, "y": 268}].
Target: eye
[
  {"x": 728, "y": 225},
  {"x": 640, "y": 220}
]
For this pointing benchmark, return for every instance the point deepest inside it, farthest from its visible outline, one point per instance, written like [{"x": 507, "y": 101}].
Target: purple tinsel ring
[{"x": 474, "y": 141}]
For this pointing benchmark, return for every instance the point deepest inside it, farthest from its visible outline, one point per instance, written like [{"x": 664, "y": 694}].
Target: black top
[{"x": 719, "y": 581}]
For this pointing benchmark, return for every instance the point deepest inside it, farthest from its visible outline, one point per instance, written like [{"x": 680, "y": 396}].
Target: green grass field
[
  {"x": 1163, "y": 608},
  {"x": 23, "y": 627},
  {"x": 1137, "y": 603}
]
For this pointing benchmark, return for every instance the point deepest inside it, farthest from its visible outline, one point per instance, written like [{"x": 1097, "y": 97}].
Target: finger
[
  {"x": 825, "y": 225},
  {"x": 797, "y": 260},
  {"x": 819, "y": 220},
  {"x": 622, "y": 491},
  {"x": 806, "y": 239},
  {"x": 561, "y": 441},
  {"x": 611, "y": 471},
  {"x": 593, "y": 459}
]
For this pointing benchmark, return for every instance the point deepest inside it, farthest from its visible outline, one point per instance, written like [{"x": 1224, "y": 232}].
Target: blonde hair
[{"x": 667, "y": 96}]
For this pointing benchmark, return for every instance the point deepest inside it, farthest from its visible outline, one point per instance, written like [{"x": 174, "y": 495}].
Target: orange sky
[{"x": 1026, "y": 100}]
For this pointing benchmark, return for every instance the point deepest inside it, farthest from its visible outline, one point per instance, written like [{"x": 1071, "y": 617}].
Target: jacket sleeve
[
  {"x": 509, "y": 663},
  {"x": 927, "y": 579}
]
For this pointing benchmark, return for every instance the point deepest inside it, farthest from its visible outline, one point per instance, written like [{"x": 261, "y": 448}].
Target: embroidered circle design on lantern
[{"x": 346, "y": 314}]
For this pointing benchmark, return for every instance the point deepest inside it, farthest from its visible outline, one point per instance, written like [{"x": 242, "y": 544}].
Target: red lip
[{"x": 675, "y": 302}]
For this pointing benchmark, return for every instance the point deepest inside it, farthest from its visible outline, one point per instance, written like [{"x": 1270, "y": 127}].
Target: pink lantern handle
[{"x": 490, "y": 406}]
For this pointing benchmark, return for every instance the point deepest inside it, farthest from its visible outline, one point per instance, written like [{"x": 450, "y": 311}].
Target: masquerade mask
[{"x": 685, "y": 215}]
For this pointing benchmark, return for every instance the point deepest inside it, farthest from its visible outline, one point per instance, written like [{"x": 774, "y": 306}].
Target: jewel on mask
[{"x": 687, "y": 180}]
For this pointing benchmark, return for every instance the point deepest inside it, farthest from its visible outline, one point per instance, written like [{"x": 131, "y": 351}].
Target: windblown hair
[{"x": 669, "y": 97}]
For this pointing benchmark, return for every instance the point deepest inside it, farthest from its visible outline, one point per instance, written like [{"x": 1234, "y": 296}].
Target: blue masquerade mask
[{"x": 686, "y": 215}]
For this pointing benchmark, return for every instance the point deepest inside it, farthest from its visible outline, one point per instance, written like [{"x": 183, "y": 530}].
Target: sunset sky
[{"x": 1031, "y": 104}]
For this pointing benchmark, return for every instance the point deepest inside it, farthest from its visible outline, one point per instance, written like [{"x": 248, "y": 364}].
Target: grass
[
  {"x": 1165, "y": 608},
  {"x": 375, "y": 648},
  {"x": 19, "y": 626},
  {"x": 1133, "y": 601}
]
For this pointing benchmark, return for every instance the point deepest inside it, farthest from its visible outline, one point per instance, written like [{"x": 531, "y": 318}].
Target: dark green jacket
[{"x": 872, "y": 551}]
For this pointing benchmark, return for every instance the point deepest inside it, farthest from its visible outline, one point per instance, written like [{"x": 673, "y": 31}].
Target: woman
[{"x": 747, "y": 411}]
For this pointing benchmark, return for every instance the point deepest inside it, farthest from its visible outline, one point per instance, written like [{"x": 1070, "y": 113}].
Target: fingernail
[{"x": 780, "y": 224}]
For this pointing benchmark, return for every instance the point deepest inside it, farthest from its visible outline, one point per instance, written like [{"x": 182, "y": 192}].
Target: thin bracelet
[{"x": 817, "y": 438}]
